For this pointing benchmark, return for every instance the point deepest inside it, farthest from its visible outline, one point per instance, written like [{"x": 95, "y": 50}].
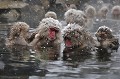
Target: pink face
[
  {"x": 68, "y": 43},
  {"x": 72, "y": 38},
  {"x": 52, "y": 33}
]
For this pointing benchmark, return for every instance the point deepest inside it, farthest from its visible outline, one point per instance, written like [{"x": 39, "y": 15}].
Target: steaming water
[{"x": 107, "y": 67}]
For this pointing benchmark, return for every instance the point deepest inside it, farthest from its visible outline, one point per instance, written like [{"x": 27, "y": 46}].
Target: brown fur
[
  {"x": 102, "y": 13},
  {"x": 51, "y": 14},
  {"x": 18, "y": 34},
  {"x": 106, "y": 38},
  {"x": 45, "y": 48},
  {"x": 75, "y": 16},
  {"x": 81, "y": 41},
  {"x": 16, "y": 42},
  {"x": 90, "y": 11}
]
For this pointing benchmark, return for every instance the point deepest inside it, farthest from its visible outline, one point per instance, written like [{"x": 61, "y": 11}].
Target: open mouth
[
  {"x": 68, "y": 42},
  {"x": 52, "y": 33}
]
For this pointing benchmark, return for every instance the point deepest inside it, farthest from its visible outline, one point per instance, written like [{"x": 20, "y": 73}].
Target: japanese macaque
[
  {"x": 17, "y": 41},
  {"x": 18, "y": 34},
  {"x": 78, "y": 42},
  {"x": 75, "y": 16},
  {"x": 106, "y": 39},
  {"x": 90, "y": 12},
  {"x": 115, "y": 12},
  {"x": 51, "y": 14},
  {"x": 47, "y": 39},
  {"x": 102, "y": 13}
]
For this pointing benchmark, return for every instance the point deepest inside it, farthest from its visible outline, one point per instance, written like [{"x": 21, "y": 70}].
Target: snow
[{"x": 50, "y": 22}]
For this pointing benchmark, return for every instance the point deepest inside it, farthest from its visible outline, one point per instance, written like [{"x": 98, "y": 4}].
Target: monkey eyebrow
[{"x": 54, "y": 28}]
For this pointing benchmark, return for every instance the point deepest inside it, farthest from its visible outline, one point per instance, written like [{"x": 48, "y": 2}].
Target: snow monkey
[
  {"x": 77, "y": 41},
  {"x": 51, "y": 14},
  {"x": 17, "y": 42},
  {"x": 106, "y": 39},
  {"x": 115, "y": 12},
  {"x": 75, "y": 16},
  {"x": 47, "y": 39}
]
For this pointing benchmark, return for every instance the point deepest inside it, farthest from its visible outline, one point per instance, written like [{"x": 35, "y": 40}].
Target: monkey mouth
[
  {"x": 52, "y": 33},
  {"x": 68, "y": 42}
]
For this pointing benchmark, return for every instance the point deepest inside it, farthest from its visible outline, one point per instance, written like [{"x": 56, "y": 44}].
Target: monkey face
[
  {"x": 18, "y": 34},
  {"x": 47, "y": 37},
  {"x": 52, "y": 33},
  {"x": 116, "y": 11},
  {"x": 103, "y": 33},
  {"x": 73, "y": 38},
  {"x": 48, "y": 33}
]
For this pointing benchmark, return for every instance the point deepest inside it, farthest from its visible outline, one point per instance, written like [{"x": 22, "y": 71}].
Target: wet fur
[
  {"x": 42, "y": 44},
  {"x": 82, "y": 44},
  {"x": 51, "y": 14},
  {"x": 106, "y": 39},
  {"x": 102, "y": 13},
  {"x": 18, "y": 34},
  {"x": 75, "y": 16},
  {"x": 90, "y": 12},
  {"x": 16, "y": 42}
]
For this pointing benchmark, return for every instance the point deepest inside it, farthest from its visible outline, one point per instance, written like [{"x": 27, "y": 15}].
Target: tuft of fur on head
[
  {"x": 75, "y": 16},
  {"x": 77, "y": 35},
  {"x": 102, "y": 13},
  {"x": 51, "y": 14},
  {"x": 90, "y": 11},
  {"x": 18, "y": 34},
  {"x": 42, "y": 30},
  {"x": 115, "y": 12},
  {"x": 105, "y": 28}
]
